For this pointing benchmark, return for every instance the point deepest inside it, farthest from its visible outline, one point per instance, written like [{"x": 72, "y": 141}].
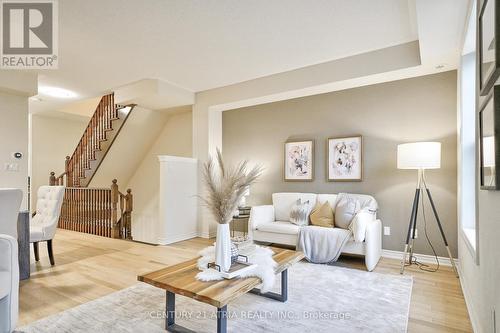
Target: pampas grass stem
[{"x": 226, "y": 186}]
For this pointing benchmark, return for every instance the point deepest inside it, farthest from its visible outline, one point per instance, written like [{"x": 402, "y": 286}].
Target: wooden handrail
[{"x": 99, "y": 211}]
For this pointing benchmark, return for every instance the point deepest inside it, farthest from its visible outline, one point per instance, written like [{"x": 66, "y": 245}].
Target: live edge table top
[{"x": 181, "y": 279}]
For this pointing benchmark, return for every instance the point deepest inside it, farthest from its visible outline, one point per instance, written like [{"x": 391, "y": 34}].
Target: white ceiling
[{"x": 199, "y": 45}]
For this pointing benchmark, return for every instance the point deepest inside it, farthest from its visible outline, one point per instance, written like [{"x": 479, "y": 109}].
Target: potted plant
[{"x": 225, "y": 188}]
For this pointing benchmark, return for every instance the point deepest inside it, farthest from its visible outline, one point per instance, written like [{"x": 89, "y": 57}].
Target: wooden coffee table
[{"x": 181, "y": 279}]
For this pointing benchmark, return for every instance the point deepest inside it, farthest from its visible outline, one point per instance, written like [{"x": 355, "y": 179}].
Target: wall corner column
[{"x": 207, "y": 137}]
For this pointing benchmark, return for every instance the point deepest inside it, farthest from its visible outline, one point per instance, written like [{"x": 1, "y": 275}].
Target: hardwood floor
[{"x": 88, "y": 267}]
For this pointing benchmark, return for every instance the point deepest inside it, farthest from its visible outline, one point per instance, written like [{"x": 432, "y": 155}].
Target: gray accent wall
[{"x": 416, "y": 109}]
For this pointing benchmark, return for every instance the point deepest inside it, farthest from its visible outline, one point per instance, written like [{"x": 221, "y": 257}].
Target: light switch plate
[
  {"x": 13, "y": 167},
  {"x": 387, "y": 231}
]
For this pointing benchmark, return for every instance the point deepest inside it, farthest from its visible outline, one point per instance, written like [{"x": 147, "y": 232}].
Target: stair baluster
[{"x": 98, "y": 211}]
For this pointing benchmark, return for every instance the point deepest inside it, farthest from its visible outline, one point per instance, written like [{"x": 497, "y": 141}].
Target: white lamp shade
[
  {"x": 419, "y": 155},
  {"x": 489, "y": 151}
]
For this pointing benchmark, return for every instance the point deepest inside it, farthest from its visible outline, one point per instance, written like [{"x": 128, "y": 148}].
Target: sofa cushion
[
  {"x": 299, "y": 214},
  {"x": 330, "y": 198},
  {"x": 5, "y": 283},
  {"x": 283, "y": 203},
  {"x": 322, "y": 215},
  {"x": 279, "y": 227},
  {"x": 347, "y": 207},
  {"x": 365, "y": 201}
]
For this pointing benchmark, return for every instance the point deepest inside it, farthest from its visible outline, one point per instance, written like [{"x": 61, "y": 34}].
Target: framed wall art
[
  {"x": 489, "y": 52},
  {"x": 344, "y": 159},
  {"x": 299, "y": 160},
  {"x": 489, "y": 144}
]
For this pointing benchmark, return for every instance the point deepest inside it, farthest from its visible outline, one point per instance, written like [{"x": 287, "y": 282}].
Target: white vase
[{"x": 223, "y": 247}]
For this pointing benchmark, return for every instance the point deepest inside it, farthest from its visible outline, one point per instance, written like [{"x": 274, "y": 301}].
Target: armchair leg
[
  {"x": 51, "y": 253},
  {"x": 35, "y": 249}
]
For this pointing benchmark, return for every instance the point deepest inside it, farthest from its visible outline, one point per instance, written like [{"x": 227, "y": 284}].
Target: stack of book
[
  {"x": 237, "y": 268},
  {"x": 244, "y": 211}
]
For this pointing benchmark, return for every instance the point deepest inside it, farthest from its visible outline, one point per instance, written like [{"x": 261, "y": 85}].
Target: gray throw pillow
[
  {"x": 347, "y": 207},
  {"x": 299, "y": 214}
]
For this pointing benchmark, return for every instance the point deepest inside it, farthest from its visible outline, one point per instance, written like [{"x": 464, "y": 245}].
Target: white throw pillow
[
  {"x": 347, "y": 207},
  {"x": 299, "y": 214},
  {"x": 359, "y": 224}
]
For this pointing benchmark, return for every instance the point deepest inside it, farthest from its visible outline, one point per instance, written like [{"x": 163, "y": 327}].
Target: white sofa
[
  {"x": 10, "y": 202},
  {"x": 270, "y": 224}
]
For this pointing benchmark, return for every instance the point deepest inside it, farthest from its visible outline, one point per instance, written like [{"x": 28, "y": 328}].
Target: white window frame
[{"x": 467, "y": 147}]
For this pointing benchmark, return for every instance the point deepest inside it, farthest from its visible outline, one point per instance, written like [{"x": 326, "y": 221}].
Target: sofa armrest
[
  {"x": 259, "y": 215},
  {"x": 9, "y": 305},
  {"x": 8, "y": 253},
  {"x": 373, "y": 242}
]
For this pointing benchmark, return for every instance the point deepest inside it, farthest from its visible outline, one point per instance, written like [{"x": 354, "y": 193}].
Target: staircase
[
  {"x": 100, "y": 211},
  {"x": 102, "y": 129}
]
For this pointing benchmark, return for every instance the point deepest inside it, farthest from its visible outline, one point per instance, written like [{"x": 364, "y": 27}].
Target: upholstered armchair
[
  {"x": 10, "y": 203},
  {"x": 44, "y": 224}
]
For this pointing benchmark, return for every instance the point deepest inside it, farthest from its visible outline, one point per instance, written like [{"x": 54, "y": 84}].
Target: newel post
[
  {"x": 66, "y": 172},
  {"x": 129, "y": 203},
  {"x": 129, "y": 206},
  {"x": 52, "y": 179},
  {"x": 115, "y": 231}
]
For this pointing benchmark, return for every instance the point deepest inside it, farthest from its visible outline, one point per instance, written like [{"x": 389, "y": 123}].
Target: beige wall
[
  {"x": 417, "y": 109},
  {"x": 130, "y": 147},
  {"x": 175, "y": 139},
  {"x": 14, "y": 133},
  {"x": 53, "y": 138},
  {"x": 381, "y": 65}
]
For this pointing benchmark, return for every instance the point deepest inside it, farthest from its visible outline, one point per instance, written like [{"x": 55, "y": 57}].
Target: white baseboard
[
  {"x": 207, "y": 234},
  {"x": 423, "y": 258},
  {"x": 176, "y": 238},
  {"x": 472, "y": 315}
]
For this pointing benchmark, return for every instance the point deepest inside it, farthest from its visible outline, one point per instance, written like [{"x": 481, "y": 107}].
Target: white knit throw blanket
[{"x": 262, "y": 256}]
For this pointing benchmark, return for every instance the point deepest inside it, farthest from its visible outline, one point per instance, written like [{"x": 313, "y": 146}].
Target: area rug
[{"x": 321, "y": 298}]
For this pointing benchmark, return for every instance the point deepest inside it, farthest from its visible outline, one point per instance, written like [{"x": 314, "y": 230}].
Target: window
[{"x": 467, "y": 167}]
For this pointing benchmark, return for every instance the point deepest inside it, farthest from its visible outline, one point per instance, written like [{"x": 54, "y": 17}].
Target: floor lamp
[{"x": 420, "y": 156}]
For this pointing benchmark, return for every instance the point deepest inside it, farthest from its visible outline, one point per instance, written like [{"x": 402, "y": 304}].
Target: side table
[
  {"x": 23, "y": 241},
  {"x": 237, "y": 220}
]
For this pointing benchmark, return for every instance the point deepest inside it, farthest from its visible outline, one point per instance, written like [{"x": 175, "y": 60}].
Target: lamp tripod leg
[
  {"x": 411, "y": 226},
  {"x": 441, "y": 230},
  {"x": 414, "y": 231},
  {"x": 403, "y": 260}
]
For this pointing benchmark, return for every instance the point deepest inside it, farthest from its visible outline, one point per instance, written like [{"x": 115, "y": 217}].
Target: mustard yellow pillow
[{"x": 322, "y": 215}]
